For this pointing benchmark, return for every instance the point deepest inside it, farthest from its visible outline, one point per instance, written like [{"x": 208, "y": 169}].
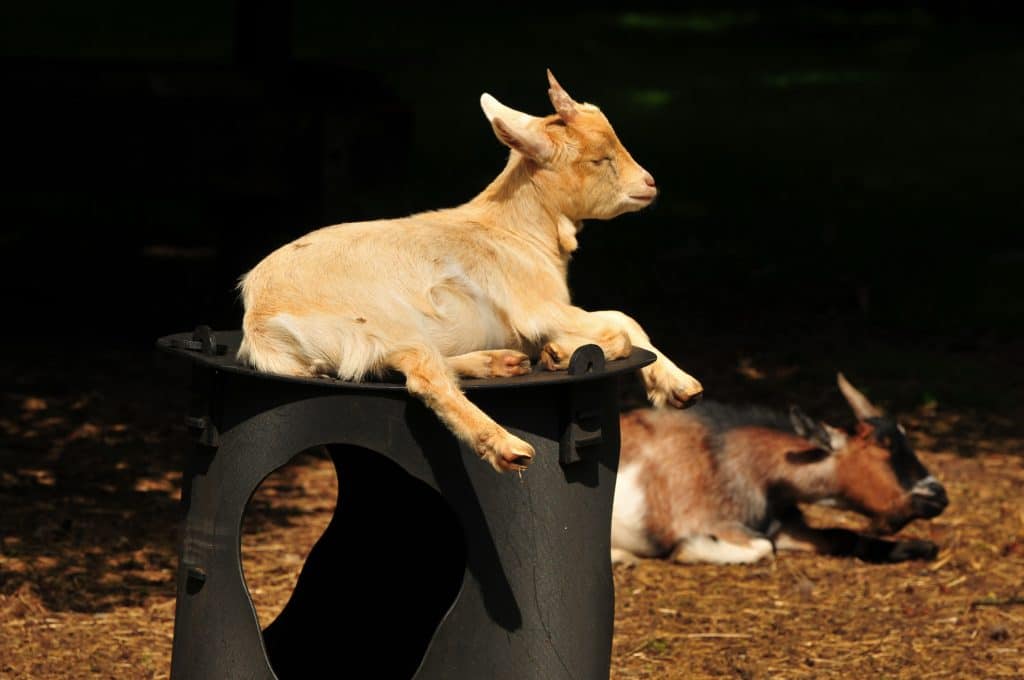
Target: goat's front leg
[
  {"x": 795, "y": 534},
  {"x": 571, "y": 327},
  {"x": 490, "y": 363},
  {"x": 557, "y": 351},
  {"x": 428, "y": 377},
  {"x": 665, "y": 382},
  {"x": 722, "y": 543}
]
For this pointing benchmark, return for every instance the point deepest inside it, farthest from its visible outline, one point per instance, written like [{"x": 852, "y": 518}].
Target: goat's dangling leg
[{"x": 428, "y": 377}]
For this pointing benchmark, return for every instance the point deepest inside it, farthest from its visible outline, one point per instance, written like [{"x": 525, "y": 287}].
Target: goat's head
[
  {"x": 877, "y": 472},
  {"x": 579, "y": 160}
]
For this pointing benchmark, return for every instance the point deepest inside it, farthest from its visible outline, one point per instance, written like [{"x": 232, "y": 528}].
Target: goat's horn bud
[{"x": 560, "y": 99}]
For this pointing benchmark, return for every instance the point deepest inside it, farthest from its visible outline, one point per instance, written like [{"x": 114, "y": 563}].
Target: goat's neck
[
  {"x": 809, "y": 482},
  {"x": 517, "y": 202},
  {"x": 768, "y": 465}
]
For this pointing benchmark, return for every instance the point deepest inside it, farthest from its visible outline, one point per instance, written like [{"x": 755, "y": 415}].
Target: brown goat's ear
[
  {"x": 862, "y": 408},
  {"x": 518, "y": 130},
  {"x": 809, "y": 429},
  {"x": 560, "y": 99}
]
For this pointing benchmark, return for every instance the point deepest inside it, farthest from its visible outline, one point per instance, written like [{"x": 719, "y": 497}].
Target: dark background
[{"x": 840, "y": 185}]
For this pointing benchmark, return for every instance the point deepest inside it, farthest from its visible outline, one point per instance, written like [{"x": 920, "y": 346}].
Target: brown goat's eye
[{"x": 599, "y": 161}]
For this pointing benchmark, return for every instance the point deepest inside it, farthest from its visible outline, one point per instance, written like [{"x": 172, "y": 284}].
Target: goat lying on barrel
[
  {"x": 720, "y": 484},
  {"x": 473, "y": 291}
]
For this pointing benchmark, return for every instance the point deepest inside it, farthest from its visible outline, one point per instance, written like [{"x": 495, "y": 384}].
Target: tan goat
[{"x": 473, "y": 291}]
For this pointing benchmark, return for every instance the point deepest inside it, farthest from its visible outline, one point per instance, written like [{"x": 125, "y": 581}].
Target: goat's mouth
[
  {"x": 926, "y": 508},
  {"x": 644, "y": 198},
  {"x": 928, "y": 498}
]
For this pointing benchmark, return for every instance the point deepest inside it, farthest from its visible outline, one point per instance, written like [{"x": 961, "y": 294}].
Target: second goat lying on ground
[
  {"x": 721, "y": 484},
  {"x": 469, "y": 291}
]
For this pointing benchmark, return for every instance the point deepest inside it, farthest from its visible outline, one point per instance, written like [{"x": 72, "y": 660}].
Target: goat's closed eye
[{"x": 599, "y": 161}]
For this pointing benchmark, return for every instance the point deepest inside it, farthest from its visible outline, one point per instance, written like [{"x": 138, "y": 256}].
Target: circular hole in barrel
[
  {"x": 283, "y": 520},
  {"x": 335, "y": 581}
]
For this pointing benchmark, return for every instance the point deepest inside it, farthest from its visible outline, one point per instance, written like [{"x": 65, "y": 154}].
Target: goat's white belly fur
[{"x": 630, "y": 508}]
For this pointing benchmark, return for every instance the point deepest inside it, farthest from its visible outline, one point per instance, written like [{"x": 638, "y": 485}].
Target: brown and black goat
[{"x": 722, "y": 484}]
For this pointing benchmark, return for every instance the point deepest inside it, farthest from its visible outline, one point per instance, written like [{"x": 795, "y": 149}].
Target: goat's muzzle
[{"x": 928, "y": 498}]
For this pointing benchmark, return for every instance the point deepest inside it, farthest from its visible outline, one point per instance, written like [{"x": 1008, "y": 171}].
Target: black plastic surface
[
  {"x": 228, "y": 341},
  {"x": 462, "y": 571}
]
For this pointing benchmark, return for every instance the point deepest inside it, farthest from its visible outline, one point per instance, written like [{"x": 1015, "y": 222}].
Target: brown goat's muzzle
[{"x": 926, "y": 500}]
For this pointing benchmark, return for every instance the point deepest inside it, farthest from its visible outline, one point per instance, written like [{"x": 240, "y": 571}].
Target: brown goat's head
[
  {"x": 580, "y": 162},
  {"x": 877, "y": 472}
]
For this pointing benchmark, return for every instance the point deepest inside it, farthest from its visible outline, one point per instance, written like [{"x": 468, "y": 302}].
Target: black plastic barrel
[{"x": 450, "y": 568}]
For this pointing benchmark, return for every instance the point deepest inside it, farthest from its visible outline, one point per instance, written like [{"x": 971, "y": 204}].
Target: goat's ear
[
  {"x": 801, "y": 422},
  {"x": 518, "y": 130},
  {"x": 560, "y": 99},
  {"x": 810, "y": 429}
]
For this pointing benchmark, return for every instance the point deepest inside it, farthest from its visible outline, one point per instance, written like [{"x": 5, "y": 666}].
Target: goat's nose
[
  {"x": 938, "y": 493},
  {"x": 649, "y": 179},
  {"x": 931, "y": 487},
  {"x": 930, "y": 497}
]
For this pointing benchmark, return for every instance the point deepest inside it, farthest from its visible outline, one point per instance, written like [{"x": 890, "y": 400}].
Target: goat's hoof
[
  {"x": 554, "y": 358},
  {"x": 505, "y": 363},
  {"x": 671, "y": 386},
  {"x": 682, "y": 400},
  {"x": 509, "y": 454}
]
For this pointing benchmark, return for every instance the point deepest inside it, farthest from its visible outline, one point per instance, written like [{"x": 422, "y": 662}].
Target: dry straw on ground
[{"x": 89, "y": 488}]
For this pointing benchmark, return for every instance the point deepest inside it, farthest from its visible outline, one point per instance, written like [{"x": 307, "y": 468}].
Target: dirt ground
[{"x": 90, "y": 454}]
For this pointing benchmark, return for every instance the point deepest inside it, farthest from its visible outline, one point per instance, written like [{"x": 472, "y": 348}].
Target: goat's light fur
[{"x": 473, "y": 290}]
